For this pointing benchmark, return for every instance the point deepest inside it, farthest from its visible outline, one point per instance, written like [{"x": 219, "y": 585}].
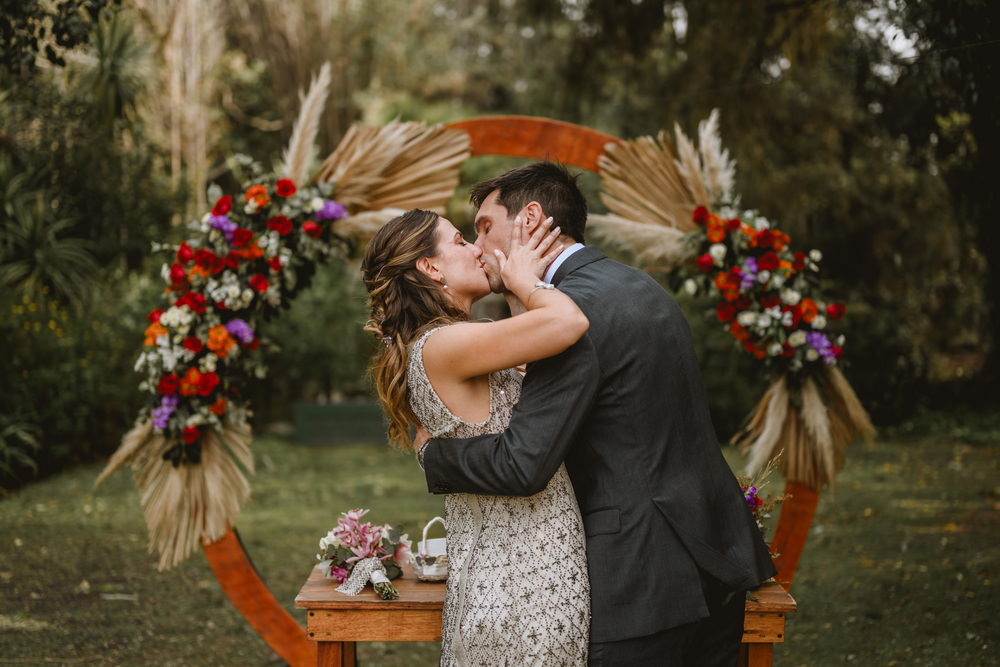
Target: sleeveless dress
[{"x": 517, "y": 590}]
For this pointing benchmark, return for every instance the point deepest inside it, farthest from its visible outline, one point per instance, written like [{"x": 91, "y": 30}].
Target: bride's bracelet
[{"x": 541, "y": 284}]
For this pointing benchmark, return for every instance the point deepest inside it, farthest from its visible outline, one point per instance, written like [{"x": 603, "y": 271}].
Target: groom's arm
[{"x": 556, "y": 397}]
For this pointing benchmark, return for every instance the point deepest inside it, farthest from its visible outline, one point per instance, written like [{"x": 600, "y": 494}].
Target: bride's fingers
[
  {"x": 501, "y": 258},
  {"x": 551, "y": 255},
  {"x": 515, "y": 233},
  {"x": 548, "y": 240}
]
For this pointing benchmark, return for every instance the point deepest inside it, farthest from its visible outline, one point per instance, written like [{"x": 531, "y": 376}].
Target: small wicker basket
[{"x": 431, "y": 561}]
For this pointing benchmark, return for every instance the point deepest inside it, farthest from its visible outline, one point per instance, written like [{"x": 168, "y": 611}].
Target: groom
[{"x": 671, "y": 544}]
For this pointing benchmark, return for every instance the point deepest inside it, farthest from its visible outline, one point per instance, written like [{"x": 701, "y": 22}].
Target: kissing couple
[{"x": 591, "y": 516}]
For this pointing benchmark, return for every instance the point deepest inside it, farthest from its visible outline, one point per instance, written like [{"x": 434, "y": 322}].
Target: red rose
[
  {"x": 221, "y": 305},
  {"x": 190, "y": 434},
  {"x": 835, "y": 311},
  {"x": 207, "y": 382},
  {"x": 192, "y": 300},
  {"x": 168, "y": 384},
  {"x": 258, "y": 282},
  {"x": 275, "y": 263},
  {"x": 704, "y": 262},
  {"x": 280, "y": 224},
  {"x": 770, "y": 301},
  {"x": 787, "y": 351},
  {"x": 177, "y": 273},
  {"x": 733, "y": 224},
  {"x": 193, "y": 343},
  {"x": 241, "y": 237},
  {"x": 836, "y": 349},
  {"x": 154, "y": 315},
  {"x": 725, "y": 311},
  {"x": 742, "y": 303},
  {"x": 700, "y": 215},
  {"x": 769, "y": 261},
  {"x": 222, "y": 205},
  {"x": 231, "y": 261},
  {"x": 765, "y": 239},
  {"x": 184, "y": 253},
  {"x": 253, "y": 345},
  {"x": 312, "y": 229},
  {"x": 800, "y": 261},
  {"x": 284, "y": 187}
]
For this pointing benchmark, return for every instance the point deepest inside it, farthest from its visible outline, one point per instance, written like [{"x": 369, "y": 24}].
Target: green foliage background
[{"x": 862, "y": 128}]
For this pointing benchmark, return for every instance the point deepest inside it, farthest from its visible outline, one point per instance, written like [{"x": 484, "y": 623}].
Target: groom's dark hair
[{"x": 549, "y": 184}]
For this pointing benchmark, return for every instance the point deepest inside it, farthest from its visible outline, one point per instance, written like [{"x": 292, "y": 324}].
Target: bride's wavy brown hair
[{"x": 404, "y": 303}]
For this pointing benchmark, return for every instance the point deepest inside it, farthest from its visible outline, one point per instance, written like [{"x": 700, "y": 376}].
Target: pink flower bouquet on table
[{"x": 355, "y": 553}]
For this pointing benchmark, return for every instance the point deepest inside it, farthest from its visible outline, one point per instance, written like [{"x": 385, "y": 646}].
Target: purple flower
[
  {"x": 748, "y": 275},
  {"x": 224, "y": 225},
  {"x": 331, "y": 211},
  {"x": 161, "y": 415},
  {"x": 821, "y": 344},
  {"x": 239, "y": 329}
]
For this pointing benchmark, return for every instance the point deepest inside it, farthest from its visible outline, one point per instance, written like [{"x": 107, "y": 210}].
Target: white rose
[
  {"x": 797, "y": 338},
  {"x": 786, "y": 318},
  {"x": 790, "y": 296},
  {"x": 316, "y": 203},
  {"x": 746, "y": 318},
  {"x": 762, "y": 223},
  {"x": 717, "y": 252},
  {"x": 777, "y": 281},
  {"x": 691, "y": 287},
  {"x": 840, "y": 340},
  {"x": 819, "y": 322},
  {"x": 815, "y": 255},
  {"x": 763, "y": 277},
  {"x": 250, "y": 208},
  {"x": 812, "y": 355},
  {"x": 774, "y": 349}
]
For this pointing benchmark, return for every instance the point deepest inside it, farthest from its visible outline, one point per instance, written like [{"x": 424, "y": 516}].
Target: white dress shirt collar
[{"x": 557, "y": 262}]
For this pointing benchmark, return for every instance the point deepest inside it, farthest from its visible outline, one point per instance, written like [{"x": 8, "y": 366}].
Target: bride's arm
[{"x": 550, "y": 324}]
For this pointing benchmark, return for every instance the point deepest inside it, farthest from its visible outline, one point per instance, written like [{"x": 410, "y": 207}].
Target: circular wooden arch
[{"x": 513, "y": 136}]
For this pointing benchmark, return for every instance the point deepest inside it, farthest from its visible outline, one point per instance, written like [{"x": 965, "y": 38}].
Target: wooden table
[{"x": 336, "y": 621}]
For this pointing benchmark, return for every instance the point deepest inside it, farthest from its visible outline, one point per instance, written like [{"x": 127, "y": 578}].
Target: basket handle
[{"x": 436, "y": 519}]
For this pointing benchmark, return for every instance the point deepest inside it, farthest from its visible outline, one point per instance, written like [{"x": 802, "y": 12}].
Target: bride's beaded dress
[{"x": 517, "y": 592}]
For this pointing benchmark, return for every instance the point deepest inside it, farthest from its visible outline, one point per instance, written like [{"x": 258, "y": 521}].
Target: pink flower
[{"x": 339, "y": 573}]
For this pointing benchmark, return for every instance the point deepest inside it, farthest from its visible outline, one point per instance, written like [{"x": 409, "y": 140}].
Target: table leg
[
  {"x": 336, "y": 654},
  {"x": 758, "y": 655}
]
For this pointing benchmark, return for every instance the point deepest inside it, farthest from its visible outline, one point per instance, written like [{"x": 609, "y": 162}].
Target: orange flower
[
  {"x": 252, "y": 251},
  {"x": 738, "y": 331},
  {"x": 219, "y": 407},
  {"x": 152, "y": 331},
  {"x": 809, "y": 309},
  {"x": 715, "y": 230},
  {"x": 199, "y": 271},
  {"x": 219, "y": 340},
  {"x": 190, "y": 382},
  {"x": 779, "y": 240},
  {"x": 257, "y": 194}
]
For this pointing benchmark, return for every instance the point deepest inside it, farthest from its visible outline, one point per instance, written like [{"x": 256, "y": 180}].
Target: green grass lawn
[{"x": 901, "y": 567}]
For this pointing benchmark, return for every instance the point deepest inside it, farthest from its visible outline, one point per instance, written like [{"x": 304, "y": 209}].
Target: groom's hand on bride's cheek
[{"x": 420, "y": 438}]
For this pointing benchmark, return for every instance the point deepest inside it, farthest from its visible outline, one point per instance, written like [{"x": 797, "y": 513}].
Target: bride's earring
[{"x": 444, "y": 282}]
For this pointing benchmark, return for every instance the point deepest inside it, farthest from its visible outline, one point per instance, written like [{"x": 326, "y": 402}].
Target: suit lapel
[{"x": 581, "y": 257}]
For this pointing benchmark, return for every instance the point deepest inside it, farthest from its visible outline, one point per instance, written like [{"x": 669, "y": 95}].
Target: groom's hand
[{"x": 421, "y": 437}]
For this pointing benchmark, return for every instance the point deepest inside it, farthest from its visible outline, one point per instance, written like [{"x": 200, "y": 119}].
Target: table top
[{"x": 320, "y": 593}]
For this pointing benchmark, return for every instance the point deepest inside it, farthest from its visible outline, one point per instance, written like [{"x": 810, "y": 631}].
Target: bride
[{"x": 517, "y": 590}]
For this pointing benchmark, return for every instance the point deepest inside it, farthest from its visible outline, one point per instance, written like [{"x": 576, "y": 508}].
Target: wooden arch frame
[{"x": 514, "y": 136}]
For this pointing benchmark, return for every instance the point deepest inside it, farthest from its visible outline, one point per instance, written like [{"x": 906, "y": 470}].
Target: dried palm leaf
[
  {"x": 650, "y": 243},
  {"x": 189, "y": 504},
  {"x": 644, "y": 182},
  {"x": 813, "y": 430},
  {"x": 362, "y": 226},
  {"x": 298, "y": 155},
  {"x": 398, "y": 165}
]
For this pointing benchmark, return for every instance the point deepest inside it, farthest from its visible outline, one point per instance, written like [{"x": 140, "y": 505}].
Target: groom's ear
[{"x": 532, "y": 214}]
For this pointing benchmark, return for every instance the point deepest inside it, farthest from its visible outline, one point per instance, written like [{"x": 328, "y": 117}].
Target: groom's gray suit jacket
[{"x": 625, "y": 409}]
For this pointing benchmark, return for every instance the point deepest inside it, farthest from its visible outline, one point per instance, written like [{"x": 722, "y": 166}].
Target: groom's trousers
[{"x": 711, "y": 642}]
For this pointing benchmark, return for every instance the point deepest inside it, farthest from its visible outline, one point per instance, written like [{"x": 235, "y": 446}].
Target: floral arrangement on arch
[
  {"x": 766, "y": 296},
  {"x": 243, "y": 261},
  {"x": 674, "y": 204}
]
